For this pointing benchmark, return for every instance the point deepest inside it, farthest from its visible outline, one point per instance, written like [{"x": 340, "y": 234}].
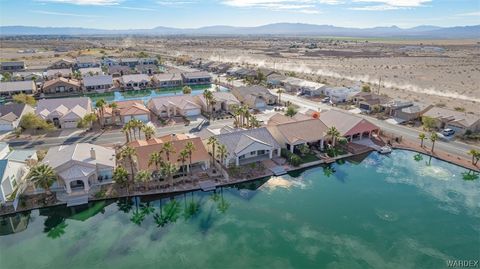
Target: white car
[{"x": 448, "y": 132}]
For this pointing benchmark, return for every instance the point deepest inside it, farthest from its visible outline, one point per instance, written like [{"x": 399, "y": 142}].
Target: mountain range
[{"x": 275, "y": 29}]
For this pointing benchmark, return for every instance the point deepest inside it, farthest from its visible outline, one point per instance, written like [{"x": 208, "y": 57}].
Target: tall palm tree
[
  {"x": 208, "y": 95},
  {"x": 100, "y": 106},
  {"x": 120, "y": 176},
  {"x": 212, "y": 141},
  {"x": 169, "y": 169},
  {"x": 182, "y": 158},
  {"x": 433, "y": 138},
  {"x": 43, "y": 176},
  {"x": 422, "y": 137},
  {"x": 126, "y": 131},
  {"x": 333, "y": 133},
  {"x": 475, "y": 156},
  {"x": 114, "y": 108},
  {"x": 148, "y": 131},
  {"x": 190, "y": 148},
  {"x": 156, "y": 160},
  {"x": 222, "y": 153},
  {"x": 129, "y": 153},
  {"x": 168, "y": 149},
  {"x": 254, "y": 123},
  {"x": 279, "y": 92}
]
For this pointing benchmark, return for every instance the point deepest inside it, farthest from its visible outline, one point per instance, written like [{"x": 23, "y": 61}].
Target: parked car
[
  {"x": 326, "y": 100},
  {"x": 448, "y": 132}
]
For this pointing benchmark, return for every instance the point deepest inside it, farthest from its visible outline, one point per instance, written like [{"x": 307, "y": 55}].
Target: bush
[{"x": 295, "y": 160}]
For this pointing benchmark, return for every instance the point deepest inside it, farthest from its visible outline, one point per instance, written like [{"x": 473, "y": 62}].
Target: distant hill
[{"x": 276, "y": 29}]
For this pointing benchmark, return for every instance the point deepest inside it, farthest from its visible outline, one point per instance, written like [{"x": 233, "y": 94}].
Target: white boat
[{"x": 385, "y": 150}]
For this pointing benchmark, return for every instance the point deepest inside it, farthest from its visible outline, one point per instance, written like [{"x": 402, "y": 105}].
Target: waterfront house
[
  {"x": 90, "y": 71},
  {"x": 99, "y": 83},
  {"x": 340, "y": 94},
  {"x": 130, "y": 62},
  {"x": 118, "y": 70},
  {"x": 148, "y": 69},
  {"x": 62, "y": 64},
  {"x": 12, "y": 66},
  {"x": 145, "y": 148},
  {"x": 293, "y": 134},
  {"x": 224, "y": 101},
  {"x": 14, "y": 167},
  {"x": 80, "y": 166},
  {"x": 247, "y": 146},
  {"x": 370, "y": 102},
  {"x": 126, "y": 111},
  {"x": 86, "y": 61},
  {"x": 64, "y": 112},
  {"x": 460, "y": 122},
  {"x": 256, "y": 97},
  {"x": 11, "y": 114},
  {"x": 135, "y": 82},
  {"x": 58, "y": 73},
  {"x": 61, "y": 85},
  {"x": 15, "y": 87},
  {"x": 196, "y": 78},
  {"x": 350, "y": 126},
  {"x": 177, "y": 105},
  {"x": 167, "y": 80}
]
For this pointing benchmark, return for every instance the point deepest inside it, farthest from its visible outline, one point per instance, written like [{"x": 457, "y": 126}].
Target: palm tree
[
  {"x": 187, "y": 90},
  {"x": 136, "y": 124},
  {"x": 126, "y": 131},
  {"x": 212, "y": 141},
  {"x": 43, "y": 176},
  {"x": 254, "y": 123},
  {"x": 168, "y": 149},
  {"x": 279, "y": 92},
  {"x": 190, "y": 148},
  {"x": 156, "y": 160},
  {"x": 208, "y": 95},
  {"x": 475, "y": 156},
  {"x": 100, "y": 105},
  {"x": 291, "y": 111},
  {"x": 129, "y": 153},
  {"x": 333, "y": 133},
  {"x": 114, "y": 107},
  {"x": 222, "y": 153},
  {"x": 433, "y": 138},
  {"x": 182, "y": 158},
  {"x": 422, "y": 137},
  {"x": 148, "y": 131},
  {"x": 169, "y": 169},
  {"x": 143, "y": 176},
  {"x": 120, "y": 176}
]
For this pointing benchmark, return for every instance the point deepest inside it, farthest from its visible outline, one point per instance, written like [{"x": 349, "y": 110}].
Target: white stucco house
[
  {"x": 81, "y": 166},
  {"x": 11, "y": 114},
  {"x": 178, "y": 105},
  {"x": 247, "y": 146},
  {"x": 64, "y": 112}
]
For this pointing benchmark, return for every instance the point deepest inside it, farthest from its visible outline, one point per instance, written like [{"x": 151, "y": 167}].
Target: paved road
[
  {"x": 453, "y": 147},
  {"x": 110, "y": 137}
]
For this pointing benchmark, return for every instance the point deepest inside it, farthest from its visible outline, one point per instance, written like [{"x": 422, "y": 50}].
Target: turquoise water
[
  {"x": 147, "y": 94},
  {"x": 384, "y": 212}
]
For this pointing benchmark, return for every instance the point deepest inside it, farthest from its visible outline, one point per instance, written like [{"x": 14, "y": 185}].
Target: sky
[{"x": 146, "y": 14}]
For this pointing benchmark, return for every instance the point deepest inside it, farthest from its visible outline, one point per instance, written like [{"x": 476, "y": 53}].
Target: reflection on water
[{"x": 382, "y": 212}]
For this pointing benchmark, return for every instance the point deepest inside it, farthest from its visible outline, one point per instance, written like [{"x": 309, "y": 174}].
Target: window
[{"x": 261, "y": 152}]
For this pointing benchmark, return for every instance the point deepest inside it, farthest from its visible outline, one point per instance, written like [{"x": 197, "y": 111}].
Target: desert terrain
[{"x": 442, "y": 72}]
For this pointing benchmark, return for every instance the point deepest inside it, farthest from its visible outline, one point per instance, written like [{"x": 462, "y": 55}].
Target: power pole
[{"x": 379, "y": 85}]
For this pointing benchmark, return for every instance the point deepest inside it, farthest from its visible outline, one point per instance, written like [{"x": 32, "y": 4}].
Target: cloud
[
  {"x": 476, "y": 14},
  {"x": 380, "y": 5},
  {"x": 302, "y": 6},
  {"x": 175, "y": 3},
  {"x": 63, "y": 14},
  {"x": 86, "y": 2},
  {"x": 137, "y": 8}
]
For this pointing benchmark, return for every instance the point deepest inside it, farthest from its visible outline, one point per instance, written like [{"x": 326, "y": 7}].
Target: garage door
[
  {"x": 69, "y": 125},
  {"x": 127, "y": 118},
  {"x": 143, "y": 118},
  {"x": 261, "y": 104},
  {"x": 192, "y": 112}
]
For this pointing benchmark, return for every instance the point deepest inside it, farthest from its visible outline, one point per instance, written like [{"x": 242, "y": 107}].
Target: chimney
[{"x": 93, "y": 155}]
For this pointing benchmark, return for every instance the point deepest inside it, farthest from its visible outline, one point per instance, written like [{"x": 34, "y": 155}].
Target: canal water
[{"x": 404, "y": 210}]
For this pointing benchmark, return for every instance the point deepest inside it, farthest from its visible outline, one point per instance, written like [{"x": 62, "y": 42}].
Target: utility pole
[{"x": 379, "y": 84}]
